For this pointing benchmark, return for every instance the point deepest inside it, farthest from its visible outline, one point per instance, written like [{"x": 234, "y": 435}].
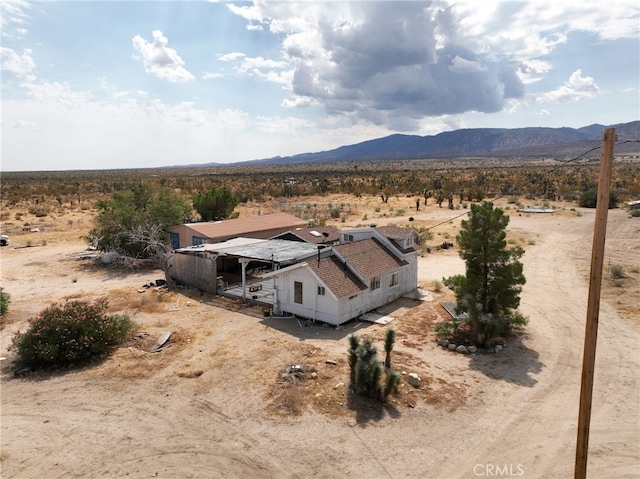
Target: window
[
  {"x": 175, "y": 240},
  {"x": 196, "y": 240},
  {"x": 393, "y": 280},
  {"x": 410, "y": 241},
  {"x": 297, "y": 292},
  {"x": 374, "y": 283},
  {"x": 347, "y": 238},
  {"x": 321, "y": 291}
]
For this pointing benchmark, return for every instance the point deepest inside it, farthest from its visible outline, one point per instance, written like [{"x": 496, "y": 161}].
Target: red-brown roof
[
  {"x": 343, "y": 283},
  {"x": 318, "y": 234},
  {"x": 249, "y": 224},
  {"x": 368, "y": 257},
  {"x": 395, "y": 232}
]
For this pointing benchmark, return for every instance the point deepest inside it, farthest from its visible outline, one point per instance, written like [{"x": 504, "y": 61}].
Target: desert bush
[
  {"x": 635, "y": 213},
  {"x": 5, "y": 299},
  {"x": 437, "y": 285},
  {"x": 616, "y": 271},
  {"x": 71, "y": 335}
]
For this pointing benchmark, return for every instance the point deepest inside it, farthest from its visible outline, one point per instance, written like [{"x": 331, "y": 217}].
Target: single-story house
[
  {"x": 366, "y": 271},
  {"x": 320, "y": 235},
  {"x": 261, "y": 226}
]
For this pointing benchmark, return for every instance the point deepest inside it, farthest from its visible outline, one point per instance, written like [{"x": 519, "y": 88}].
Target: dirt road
[{"x": 204, "y": 406}]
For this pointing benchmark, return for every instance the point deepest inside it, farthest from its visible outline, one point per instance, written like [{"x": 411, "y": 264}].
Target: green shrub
[
  {"x": 635, "y": 213},
  {"x": 70, "y": 335},
  {"x": 617, "y": 271},
  {"x": 5, "y": 299}
]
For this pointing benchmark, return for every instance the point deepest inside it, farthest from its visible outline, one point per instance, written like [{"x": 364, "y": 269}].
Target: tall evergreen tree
[{"x": 489, "y": 292}]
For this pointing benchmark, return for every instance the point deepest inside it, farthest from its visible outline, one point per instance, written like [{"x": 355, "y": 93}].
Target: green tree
[
  {"x": 127, "y": 210},
  {"x": 589, "y": 199},
  {"x": 215, "y": 204},
  {"x": 489, "y": 292},
  {"x": 5, "y": 299}
]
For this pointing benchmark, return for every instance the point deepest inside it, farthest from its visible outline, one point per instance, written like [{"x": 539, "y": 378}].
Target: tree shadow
[
  {"x": 515, "y": 364},
  {"x": 369, "y": 410}
]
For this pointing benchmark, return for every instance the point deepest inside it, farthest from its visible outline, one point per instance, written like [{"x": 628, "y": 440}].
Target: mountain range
[{"x": 471, "y": 143}]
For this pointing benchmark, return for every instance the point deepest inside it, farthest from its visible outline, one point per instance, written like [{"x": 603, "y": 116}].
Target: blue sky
[{"x": 119, "y": 84}]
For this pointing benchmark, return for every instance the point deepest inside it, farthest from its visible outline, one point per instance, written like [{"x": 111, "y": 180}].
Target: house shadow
[
  {"x": 305, "y": 329},
  {"x": 368, "y": 410},
  {"x": 516, "y": 363}
]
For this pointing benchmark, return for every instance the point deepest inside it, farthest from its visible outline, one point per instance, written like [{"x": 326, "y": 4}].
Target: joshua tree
[{"x": 389, "y": 341}]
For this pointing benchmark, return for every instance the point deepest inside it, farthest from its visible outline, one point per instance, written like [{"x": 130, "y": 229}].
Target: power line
[{"x": 510, "y": 192}]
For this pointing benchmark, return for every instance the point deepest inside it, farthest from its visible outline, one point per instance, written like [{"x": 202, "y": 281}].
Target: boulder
[
  {"x": 472, "y": 349},
  {"x": 443, "y": 342},
  {"x": 462, "y": 349},
  {"x": 498, "y": 348},
  {"x": 413, "y": 379},
  {"x": 452, "y": 346}
]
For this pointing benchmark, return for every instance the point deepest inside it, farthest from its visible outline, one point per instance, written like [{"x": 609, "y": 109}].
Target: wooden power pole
[{"x": 593, "y": 303}]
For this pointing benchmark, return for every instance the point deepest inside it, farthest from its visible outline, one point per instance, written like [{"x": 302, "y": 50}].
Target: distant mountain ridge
[{"x": 468, "y": 143}]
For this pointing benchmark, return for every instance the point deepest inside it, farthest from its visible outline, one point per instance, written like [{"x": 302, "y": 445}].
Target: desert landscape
[{"x": 217, "y": 400}]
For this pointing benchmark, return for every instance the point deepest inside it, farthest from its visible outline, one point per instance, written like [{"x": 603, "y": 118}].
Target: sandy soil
[{"x": 214, "y": 402}]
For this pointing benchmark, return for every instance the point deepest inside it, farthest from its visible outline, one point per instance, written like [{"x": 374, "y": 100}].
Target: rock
[
  {"x": 443, "y": 342},
  {"x": 498, "y": 348},
  {"x": 332, "y": 362},
  {"x": 462, "y": 349},
  {"x": 414, "y": 380},
  {"x": 314, "y": 375},
  {"x": 472, "y": 349},
  {"x": 452, "y": 346},
  {"x": 339, "y": 385}
]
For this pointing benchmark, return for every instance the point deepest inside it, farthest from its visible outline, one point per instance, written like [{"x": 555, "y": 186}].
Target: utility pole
[{"x": 593, "y": 303}]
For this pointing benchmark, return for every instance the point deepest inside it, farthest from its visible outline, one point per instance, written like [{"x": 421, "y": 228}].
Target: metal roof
[{"x": 279, "y": 251}]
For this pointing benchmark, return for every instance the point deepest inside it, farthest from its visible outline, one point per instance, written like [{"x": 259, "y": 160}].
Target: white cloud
[
  {"x": 20, "y": 65},
  {"x": 229, "y": 57},
  {"x": 211, "y": 76},
  {"x": 46, "y": 92},
  {"x": 395, "y": 63},
  {"x": 160, "y": 60},
  {"x": 14, "y": 17},
  {"x": 577, "y": 88}
]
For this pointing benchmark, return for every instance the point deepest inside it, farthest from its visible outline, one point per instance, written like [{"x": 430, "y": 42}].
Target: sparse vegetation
[{"x": 5, "y": 300}]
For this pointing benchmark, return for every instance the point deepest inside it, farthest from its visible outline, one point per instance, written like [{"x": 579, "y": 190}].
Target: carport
[{"x": 234, "y": 267}]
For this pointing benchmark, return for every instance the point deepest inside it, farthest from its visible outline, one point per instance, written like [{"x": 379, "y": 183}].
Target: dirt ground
[{"x": 218, "y": 401}]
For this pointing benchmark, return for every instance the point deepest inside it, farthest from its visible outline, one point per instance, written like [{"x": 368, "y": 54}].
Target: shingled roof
[
  {"x": 368, "y": 258},
  {"x": 342, "y": 282},
  {"x": 395, "y": 232}
]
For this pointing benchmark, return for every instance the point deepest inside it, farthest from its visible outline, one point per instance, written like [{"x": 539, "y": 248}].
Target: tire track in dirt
[{"x": 539, "y": 431}]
